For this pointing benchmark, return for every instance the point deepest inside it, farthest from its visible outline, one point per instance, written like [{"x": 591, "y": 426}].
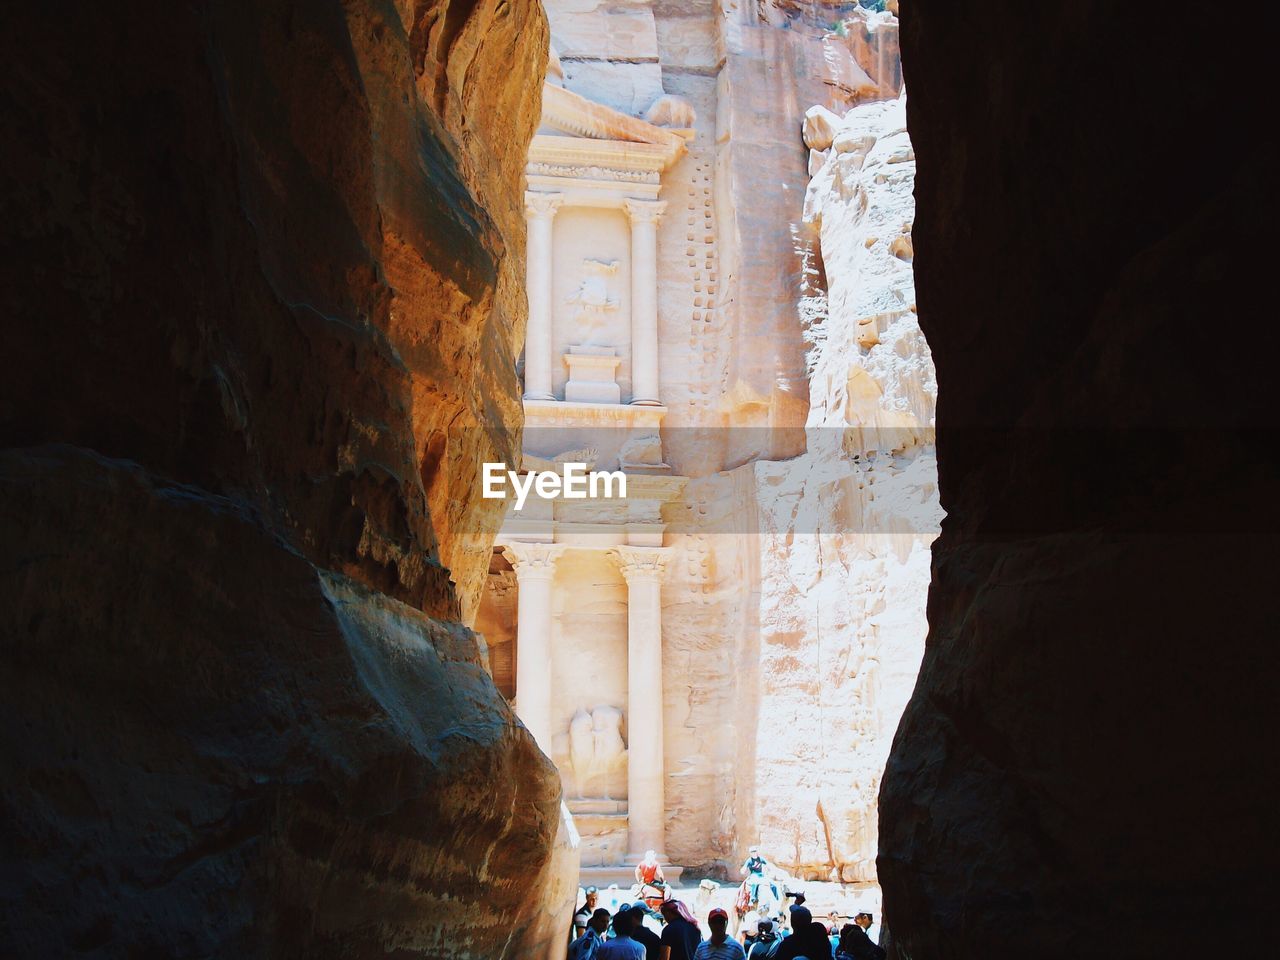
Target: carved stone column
[
  {"x": 540, "y": 211},
  {"x": 535, "y": 566},
  {"x": 644, "y": 568},
  {"x": 645, "y": 216}
]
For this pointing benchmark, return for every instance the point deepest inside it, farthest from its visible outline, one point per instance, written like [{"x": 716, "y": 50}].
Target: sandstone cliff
[
  {"x": 262, "y": 265},
  {"x": 1082, "y": 768}
]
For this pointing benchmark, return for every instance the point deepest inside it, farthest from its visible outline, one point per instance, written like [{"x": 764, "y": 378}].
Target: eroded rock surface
[
  {"x": 262, "y": 268},
  {"x": 1082, "y": 763},
  {"x": 846, "y": 527},
  {"x": 215, "y": 748}
]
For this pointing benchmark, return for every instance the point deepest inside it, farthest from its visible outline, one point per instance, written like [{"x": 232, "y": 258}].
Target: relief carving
[{"x": 596, "y": 748}]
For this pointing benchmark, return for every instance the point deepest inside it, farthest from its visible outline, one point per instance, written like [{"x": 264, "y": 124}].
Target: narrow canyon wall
[
  {"x": 1084, "y": 766},
  {"x": 262, "y": 268}
]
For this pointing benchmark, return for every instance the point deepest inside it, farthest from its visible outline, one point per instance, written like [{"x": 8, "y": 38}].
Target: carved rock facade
[{"x": 779, "y": 452}]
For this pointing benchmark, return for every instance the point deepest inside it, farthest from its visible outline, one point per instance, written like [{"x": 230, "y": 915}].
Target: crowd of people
[{"x": 662, "y": 928}]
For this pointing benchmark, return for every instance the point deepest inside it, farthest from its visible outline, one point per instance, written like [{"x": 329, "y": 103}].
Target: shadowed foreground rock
[
  {"x": 1082, "y": 769},
  {"x": 223, "y": 751},
  {"x": 261, "y": 276}
]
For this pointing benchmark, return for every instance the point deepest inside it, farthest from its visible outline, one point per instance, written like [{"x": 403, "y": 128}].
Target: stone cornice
[
  {"x": 567, "y": 111},
  {"x": 663, "y": 489},
  {"x": 614, "y": 158},
  {"x": 565, "y": 413},
  {"x": 539, "y": 170}
]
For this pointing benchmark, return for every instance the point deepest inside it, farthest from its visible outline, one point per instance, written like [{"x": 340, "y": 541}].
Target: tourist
[
  {"x": 865, "y": 921},
  {"x": 649, "y": 870},
  {"x": 719, "y": 946},
  {"x": 856, "y": 945},
  {"x": 749, "y": 928},
  {"x": 755, "y": 870},
  {"x": 642, "y": 934},
  {"x": 808, "y": 938},
  {"x": 622, "y": 946},
  {"x": 581, "y": 918},
  {"x": 680, "y": 937},
  {"x": 649, "y": 876},
  {"x": 833, "y": 929},
  {"x": 587, "y": 945},
  {"x": 767, "y": 942}
]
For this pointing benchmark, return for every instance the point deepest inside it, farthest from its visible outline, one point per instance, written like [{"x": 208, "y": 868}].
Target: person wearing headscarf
[{"x": 681, "y": 936}]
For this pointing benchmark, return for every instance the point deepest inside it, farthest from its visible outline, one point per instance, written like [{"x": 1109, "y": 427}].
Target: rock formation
[
  {"x": 1082, "y": 765},
  {"x": 263, "y": 271},
  {"x": 846, "y": 527}
]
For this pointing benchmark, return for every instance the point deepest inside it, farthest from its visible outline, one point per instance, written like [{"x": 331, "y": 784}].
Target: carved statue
[
  {"x": 671, "y": 111},
  {"x": 643, "y": 451},
  {"x": 606, "y": 730},
  {"x": 595, "y": 746},
  {"x": 581, "y": 748},
  {"x": 592, "y": 294}
]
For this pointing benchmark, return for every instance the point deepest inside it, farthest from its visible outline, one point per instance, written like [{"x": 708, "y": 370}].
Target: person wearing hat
[
  {"x": 767, "y": 942},
  {"x": 865, "y": 921},
  {"x": 854, "y": 942},
  {"x": 755, "y": 870},
  {"x": 719, "y": 946}
]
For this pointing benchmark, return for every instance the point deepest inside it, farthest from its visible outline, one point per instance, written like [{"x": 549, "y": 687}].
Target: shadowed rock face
[
  {"x": 261, "y": 269},
  {"x": 216, "y": 749},
  {"x": 1080, "y": 769},
  {"x": 259, "y": 249}
]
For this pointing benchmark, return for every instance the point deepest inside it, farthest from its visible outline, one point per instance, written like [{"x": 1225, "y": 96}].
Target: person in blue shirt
[
  {"x": 587, "y": 946},
  {"x": 622, "y": 946}
]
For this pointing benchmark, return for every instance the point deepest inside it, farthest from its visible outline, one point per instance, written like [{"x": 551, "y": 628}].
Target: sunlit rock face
[
  {"x": 1082, "y": 764},
  {"x": 262, "y": 269},
  {"x": 846, "y": 527}
]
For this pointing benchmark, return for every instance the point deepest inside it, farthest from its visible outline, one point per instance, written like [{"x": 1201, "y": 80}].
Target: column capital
[
  {"x": 533, "y": 561},
  {"x": 641, "y": 564},
  {"x": 541, "y": 205},
  {"x": 645, "y": 211},
  {"x": 501, "y": 586}
]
